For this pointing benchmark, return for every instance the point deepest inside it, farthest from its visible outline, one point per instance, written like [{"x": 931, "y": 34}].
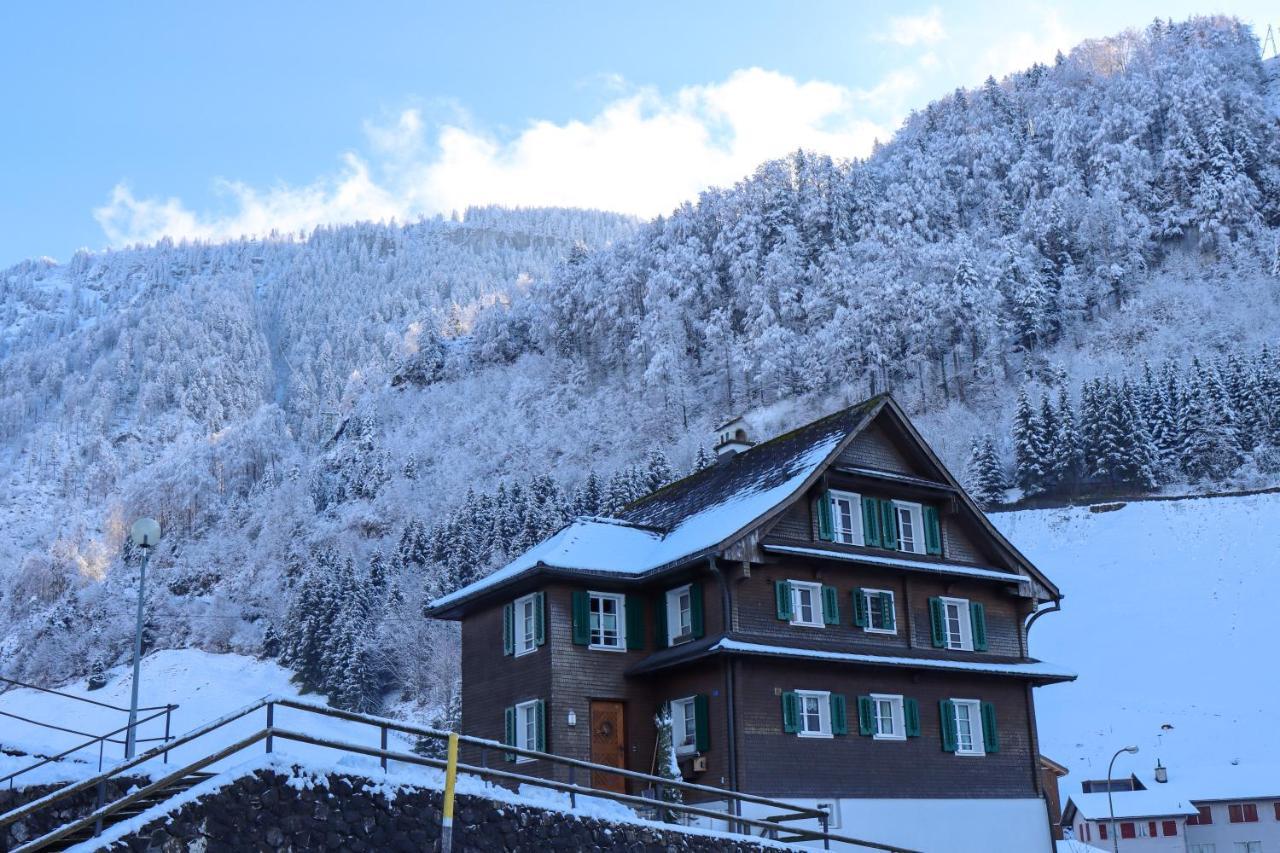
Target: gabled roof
[
  {"x": 708, "y": 510},
  {"x": 1154, "y": 803}
]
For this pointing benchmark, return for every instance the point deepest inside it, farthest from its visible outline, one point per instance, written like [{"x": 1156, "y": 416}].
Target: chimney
[
  {"x": 1162, "y": 772},
  {"x": 731, "y": 438}
]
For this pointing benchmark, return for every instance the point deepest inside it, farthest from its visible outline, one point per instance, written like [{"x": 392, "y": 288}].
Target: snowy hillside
[
  {"x": 393, "y": 409},
  {"x": 1168, "y": 618},
  {"x": 204, "y": 687}
]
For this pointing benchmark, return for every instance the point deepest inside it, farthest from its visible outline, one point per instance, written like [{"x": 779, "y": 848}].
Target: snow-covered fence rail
[{"x": 92, "y": 823}]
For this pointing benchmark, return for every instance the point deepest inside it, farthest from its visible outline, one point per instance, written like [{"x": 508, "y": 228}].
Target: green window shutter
[
  {"x": 866, "y": 716},
  {"x": 540, "y": 725},
  {"x": 990, "y": 733},
  {"x": 508, "y": 629},
  {"x": 539, "y": 618},
  {"x": 635, "y": 621},
  {"x": 932, "y": 531},
  {"x": 581, "y": 618},
  {"x": 889, "y": 527},
  {"x": 861, "y": 618},
  {"x": 911, "y": 717},
  {"x": 660, "y": 627},
  {"x": 839, "y": 715},
  {"x": 978, "y": 614},
  {"x": 830, "y": 605},
  {"x": 782, "y": 598},
  {"x": 886, "y": 611},
  {"x": 937, "y": 623},
  {"x": 790, "y": 712},
  {"x": 826, "y": 526},
  {"x": 697, "y": 613},
  {"x": 509, "y": 736},
  {"x": 701, "y": 724},
  {"x": 947, "y": 715},
  {"x": 870, "y": 522}
]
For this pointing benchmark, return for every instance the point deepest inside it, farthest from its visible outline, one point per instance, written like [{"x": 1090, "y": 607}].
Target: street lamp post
[
  {"x": 144, "y": 534},
  {"x": 1115, "y": 836}
]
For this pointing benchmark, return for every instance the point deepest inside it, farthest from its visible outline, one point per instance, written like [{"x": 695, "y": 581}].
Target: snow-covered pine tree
[
  {"x": 986, "y": 475},
  {"x": 667, "y": 765},
  {"x": 1067, "y": 459},
  {"x": 1028, "y": 447}
]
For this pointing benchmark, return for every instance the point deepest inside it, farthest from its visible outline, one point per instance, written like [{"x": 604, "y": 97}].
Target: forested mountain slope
[{"x": 333, "y": 429}]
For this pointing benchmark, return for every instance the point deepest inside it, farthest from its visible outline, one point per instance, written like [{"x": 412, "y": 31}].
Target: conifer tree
[
  {"x": 1028, "y": 447},
  {"x": 986, "y": 475},
  {"x": 668, "y": 767}
]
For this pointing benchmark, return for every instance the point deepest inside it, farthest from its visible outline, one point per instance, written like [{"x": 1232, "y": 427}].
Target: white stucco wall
[{"x": 1223, "y": 834}]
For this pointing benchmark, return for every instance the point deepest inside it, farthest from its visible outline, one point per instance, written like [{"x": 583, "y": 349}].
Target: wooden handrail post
[
  {"x": 271, "y": 721},
  {"x": 450, "y": 777},
  {"x": 384, "y": 748}
]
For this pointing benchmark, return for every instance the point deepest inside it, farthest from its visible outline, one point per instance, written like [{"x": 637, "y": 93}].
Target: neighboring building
[
  {"x": 1150, "y": 821},
  {"x": 1051, "y": 773},
  {"x": 1224, "y": 809},
  {"x": 830, "y": 617}
]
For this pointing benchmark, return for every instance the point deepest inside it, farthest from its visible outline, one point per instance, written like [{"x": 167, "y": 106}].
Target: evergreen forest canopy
[{"x": 397, "y": 409}]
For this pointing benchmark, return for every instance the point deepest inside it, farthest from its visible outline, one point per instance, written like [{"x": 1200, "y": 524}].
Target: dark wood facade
[{"x": 747, "y": 658}]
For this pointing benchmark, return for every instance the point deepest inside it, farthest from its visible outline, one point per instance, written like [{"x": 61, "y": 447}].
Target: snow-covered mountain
[{"x": 391, "y": 408}]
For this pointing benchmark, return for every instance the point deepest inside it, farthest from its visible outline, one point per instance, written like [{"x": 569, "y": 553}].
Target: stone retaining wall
[{"x": 269, "y": 811}]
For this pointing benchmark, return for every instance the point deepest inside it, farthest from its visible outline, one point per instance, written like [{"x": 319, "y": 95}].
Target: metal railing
[
  {"x": 165, "y": 711},
  {"x": 736, "y": 822}
]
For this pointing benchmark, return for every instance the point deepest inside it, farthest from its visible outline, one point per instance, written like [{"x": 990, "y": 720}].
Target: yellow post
[{"x": 450, "y": 777}]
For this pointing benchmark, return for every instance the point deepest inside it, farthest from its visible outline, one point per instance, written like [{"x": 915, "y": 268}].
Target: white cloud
[
  {"x": 1020, "y": 49},
  {"x": 915, "y": 29},
  {"x": 644, "y": 153}
]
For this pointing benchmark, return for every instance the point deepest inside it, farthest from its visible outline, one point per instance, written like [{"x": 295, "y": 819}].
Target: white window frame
[
  {"x": 674, "y": 610},
  {"x": 525, "y": 625},
  {"x": 897, "y": 716},
  {"x": 964, "y": 617},
  {"x": 916, "y": 512},
  {"x": 978, "y": 746},
  {"x": 816, "y": 590},
  {"x": 870, "y": 600},
  {"x": 823, "y": 698},
  {"x": 682, "y": 712},
  {"x": 523, "y": 727},
  {"x": 621, "y": 601},
  {"x": 1202, "y": 847},
  {"x": 854, "y": 535},
  {"x": 1246, "y": 846}
]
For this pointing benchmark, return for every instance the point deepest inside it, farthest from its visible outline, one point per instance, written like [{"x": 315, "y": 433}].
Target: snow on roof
[
  {"x": 687, "y": 517},
  {"x": 1033, "y": 669},
  {"x": 1224, "y": 781},
  {"x": 896, "y": 562},
  {"x": 1157, "y": 802}
]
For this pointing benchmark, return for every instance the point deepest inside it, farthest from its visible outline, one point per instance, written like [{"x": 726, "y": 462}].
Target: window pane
[
  {"x": 906, "y": 530},
  {"x": 964, "y": 728}
]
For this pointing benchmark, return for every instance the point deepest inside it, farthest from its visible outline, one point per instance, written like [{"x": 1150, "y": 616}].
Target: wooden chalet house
[{"x": 830, "y": 618}]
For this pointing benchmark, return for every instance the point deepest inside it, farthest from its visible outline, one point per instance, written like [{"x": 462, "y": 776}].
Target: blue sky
[{"x": 123, "y": 122}]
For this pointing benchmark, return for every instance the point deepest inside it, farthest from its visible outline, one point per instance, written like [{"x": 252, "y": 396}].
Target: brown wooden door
[{"x": 608, "y": 745}]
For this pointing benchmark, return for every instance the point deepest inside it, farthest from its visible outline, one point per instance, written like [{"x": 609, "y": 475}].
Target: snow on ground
[
  {"x": 205, "y": 687},
  {"x": 1169, "y": 619}
]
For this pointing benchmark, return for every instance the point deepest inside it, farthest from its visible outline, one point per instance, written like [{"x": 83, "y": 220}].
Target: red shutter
[
  {"x": 1151, "y": 829},
  {"x": 1128, "y": 830},
  {"x": 1235, "y": 814},
  {"x": 1277, "y": 811},
  {"x": 1102, "y": 832},
  {"x": 1085, "y": 829},
  {"x": 1206, "y": 815},
  {"x": 1250, "y": 812},
  {"x": 1170, "y": 828}
]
